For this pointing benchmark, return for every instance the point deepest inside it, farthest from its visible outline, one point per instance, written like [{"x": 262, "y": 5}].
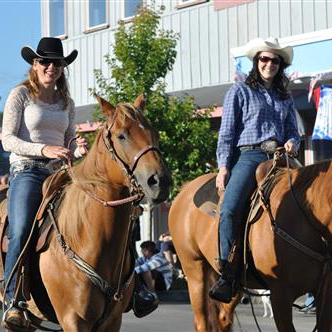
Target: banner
[{"x": 323, "y": 123}]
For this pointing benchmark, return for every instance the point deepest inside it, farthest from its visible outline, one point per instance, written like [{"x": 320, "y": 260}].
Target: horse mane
[
  {"x": 86, "y": 176},
  {"x": 125, "y": 111}
]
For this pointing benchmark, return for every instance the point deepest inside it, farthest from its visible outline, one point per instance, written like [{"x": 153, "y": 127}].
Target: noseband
[
  {"x": 128, "y": 168},
  {"x": 135, "y": 189}
]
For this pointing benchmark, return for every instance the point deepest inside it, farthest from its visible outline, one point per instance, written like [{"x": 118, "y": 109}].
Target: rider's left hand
[
  {"x": 82, "y": 145},
  {"x": 290, "y": 148}
]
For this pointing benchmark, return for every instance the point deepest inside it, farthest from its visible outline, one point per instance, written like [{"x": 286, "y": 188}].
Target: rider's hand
[
  {"x": 290, "y": 148},
  {"x": 56, "y": 152},
  {"x": 82, "y": 145},
  {"x": 222, "y": 178}
]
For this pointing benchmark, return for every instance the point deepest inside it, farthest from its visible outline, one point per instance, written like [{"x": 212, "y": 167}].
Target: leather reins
[
  {"x": 323, "y": 259},
  {"x": 136, "y": 195}
]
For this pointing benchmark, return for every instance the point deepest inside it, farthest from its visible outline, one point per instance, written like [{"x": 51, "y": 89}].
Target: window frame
[
  {"x": 97, "y": 27},
  {"x": 130, "y": 18},
  {"x": 188, "y": 3},
  {"x": 65, "y": 21}
]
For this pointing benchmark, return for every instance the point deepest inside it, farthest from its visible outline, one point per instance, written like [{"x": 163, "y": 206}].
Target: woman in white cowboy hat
[
  {"x": 258, "y": 116},
  {"x": 38, "y": 124}
]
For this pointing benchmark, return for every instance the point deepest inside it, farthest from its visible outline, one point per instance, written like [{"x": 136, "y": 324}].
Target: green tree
[{"x": 142, "y": 55}]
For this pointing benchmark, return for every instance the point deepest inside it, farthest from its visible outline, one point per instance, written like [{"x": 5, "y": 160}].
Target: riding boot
[
  {"x": 226, "y": 285},
  {"x": 144, "y": 300}
]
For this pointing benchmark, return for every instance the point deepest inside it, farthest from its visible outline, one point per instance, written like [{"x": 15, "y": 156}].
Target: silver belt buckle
[
  {"x": 54, "y": 165},
  {"x": 269, "y": 146}
]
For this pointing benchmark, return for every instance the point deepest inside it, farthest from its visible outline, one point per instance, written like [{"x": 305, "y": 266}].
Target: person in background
[
  {"x": 38, "y": 125},
  {"x": 258, "y": 116},
  {"x": 309, "y": 304},
  {"x": 165, "y": 245},
  {"x": 153, "y": 268}
]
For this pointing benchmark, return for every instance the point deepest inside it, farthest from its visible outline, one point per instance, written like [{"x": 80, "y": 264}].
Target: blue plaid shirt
[{"x": 252, "y": 116}]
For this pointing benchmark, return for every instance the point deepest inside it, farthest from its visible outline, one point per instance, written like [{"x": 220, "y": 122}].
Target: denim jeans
[
  {"x": 25, "y": 195},
  {"x": 240, "y": 187}
]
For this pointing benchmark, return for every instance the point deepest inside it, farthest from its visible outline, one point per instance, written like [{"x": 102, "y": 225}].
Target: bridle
[
  {"x": 135, "y": 189},
  {"x": 136, "y": 195}
]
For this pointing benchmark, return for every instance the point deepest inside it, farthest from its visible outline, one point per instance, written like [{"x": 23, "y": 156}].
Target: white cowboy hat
[{"x": 270, "y": 44}]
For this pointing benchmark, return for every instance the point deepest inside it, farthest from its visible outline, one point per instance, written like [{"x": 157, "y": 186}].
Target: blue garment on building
[
  {"x": 323, "y": 124},
  {"x": 156, "y": 262},
  {"x": 252, "y": 116}
]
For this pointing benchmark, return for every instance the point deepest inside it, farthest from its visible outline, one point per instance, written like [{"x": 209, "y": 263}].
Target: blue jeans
[
  {"x": 25, "y": 195},
  {"x": 240, "y": 187}
]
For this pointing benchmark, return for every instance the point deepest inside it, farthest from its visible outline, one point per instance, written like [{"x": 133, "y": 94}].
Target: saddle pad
[{"x": 206, "y": 197}]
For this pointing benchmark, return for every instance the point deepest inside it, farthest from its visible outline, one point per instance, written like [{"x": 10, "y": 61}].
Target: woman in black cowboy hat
[{"x": 38, "y": 124}]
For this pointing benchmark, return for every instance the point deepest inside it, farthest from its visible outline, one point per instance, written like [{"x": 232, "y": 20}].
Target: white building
[{"x": 211, "y": 36}]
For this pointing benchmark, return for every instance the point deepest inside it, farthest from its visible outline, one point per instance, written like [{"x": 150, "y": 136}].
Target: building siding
[{"x": 206, "y": 37}]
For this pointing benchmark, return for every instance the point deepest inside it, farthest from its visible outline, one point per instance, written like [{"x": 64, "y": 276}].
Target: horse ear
[
  {"x": 140, "y": 102},
  {"x": 106, "y": 107}
]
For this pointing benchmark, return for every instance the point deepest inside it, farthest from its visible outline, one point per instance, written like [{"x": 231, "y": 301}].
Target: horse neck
[
  {"x": 100, "y": 163},
  {"x": 314, "y": 182},
  {"x": 86, "y": 224}
]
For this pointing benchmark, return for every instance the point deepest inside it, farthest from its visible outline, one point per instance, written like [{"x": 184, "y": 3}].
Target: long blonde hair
[{"x": 61, "y": 84}]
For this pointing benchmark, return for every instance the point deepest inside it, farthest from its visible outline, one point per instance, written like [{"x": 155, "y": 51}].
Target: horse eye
[{"x": 121, "y": 137}]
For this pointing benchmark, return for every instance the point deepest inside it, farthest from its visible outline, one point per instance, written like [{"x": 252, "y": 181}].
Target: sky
[{"x": 20, "y": 25}]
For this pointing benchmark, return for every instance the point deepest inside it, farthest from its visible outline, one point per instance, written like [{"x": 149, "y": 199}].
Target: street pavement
[
  {"x": 173, "y": 317},
  {"x": 178, "y": 317}
]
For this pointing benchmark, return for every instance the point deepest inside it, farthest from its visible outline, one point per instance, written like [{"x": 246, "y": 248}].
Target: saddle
[
  {"x": 52, "y": 188},
  {"x": 207, "y": 200}
]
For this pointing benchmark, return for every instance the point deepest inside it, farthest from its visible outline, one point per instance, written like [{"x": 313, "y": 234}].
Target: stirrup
[
  {"x": 21, "y": 308},
  {"x": 144, "y": 302}
]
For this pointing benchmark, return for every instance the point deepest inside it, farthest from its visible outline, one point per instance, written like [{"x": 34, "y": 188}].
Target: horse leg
[
  {"x": 282, "y": 304},
  {"x": 323, "y": 306},
  {"x": 195, "y": 275},
  {"x": 73, "y": 323}
]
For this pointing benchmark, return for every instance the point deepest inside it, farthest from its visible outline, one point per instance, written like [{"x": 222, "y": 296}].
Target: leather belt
[
  {"x": 268, "y": 146},
  {"x": 52, "y": 165}
]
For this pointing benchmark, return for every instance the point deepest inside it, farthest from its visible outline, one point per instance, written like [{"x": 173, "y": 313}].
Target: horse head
[{"x": 133, "y": 143}]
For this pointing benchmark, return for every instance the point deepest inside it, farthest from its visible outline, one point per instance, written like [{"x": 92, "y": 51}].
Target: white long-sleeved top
[{"x": 29, "y": 125}]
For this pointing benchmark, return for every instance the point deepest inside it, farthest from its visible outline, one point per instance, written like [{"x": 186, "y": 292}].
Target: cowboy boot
[
  {"x": 226, "y": 285},
  {"x": 14, "y": 320},
  {"x": 144, "y": 301}
]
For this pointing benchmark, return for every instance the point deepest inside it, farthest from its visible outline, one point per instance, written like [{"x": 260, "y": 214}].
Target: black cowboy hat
[{"x": 48, "y": 48}]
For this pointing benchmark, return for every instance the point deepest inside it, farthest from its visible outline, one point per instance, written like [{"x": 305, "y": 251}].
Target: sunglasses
[
  {"x": 266, "y": 59},
  {"x": 47, "y": 62}
]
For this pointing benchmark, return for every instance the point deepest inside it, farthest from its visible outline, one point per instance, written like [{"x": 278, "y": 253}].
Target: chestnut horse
[
  {"x": 89, "y": 275},
  {"x": 290, "y": 246}
]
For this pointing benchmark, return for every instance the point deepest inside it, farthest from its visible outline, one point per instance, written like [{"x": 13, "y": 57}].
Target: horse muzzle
[{"x": 157, "y": 187}]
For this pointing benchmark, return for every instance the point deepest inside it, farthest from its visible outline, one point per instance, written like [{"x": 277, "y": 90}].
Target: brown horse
[
  {"x": 290, "y": 248},
  {"x": 88, "y": 274}
]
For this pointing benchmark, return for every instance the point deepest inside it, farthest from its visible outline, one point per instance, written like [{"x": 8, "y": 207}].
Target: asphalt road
[
  {"x": 173, "y": 317},
  {"x": 179, "y": 318}
]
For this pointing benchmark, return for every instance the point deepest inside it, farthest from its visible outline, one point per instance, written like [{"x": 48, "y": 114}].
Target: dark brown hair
[{"x": 280, "y": 81}]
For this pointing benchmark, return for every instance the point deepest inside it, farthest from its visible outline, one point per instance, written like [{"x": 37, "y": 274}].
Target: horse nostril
[{"x": 153, "y": 180}]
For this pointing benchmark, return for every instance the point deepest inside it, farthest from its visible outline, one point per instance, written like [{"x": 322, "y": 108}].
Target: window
[
  {"x": 97, "y": 12},
  {"x": 131, "y": 6},
  {"x": 187, "y": 3},
  {"x": 57, "y": 17}
]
